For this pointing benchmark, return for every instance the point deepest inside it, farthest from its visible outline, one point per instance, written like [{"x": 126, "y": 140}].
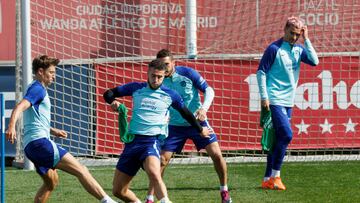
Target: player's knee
[
  {"x": 285, "y": 134},
  {"x": 56, "y": 180},
  {"x": 51, "y": 185},
  {"x": 51, "y": 180},
  {"x": 216, "y": 157},
  {"x": 83, "y": 172},
  {"x": 119, "y": 192},
  {"x": 214, "y": 152},
  {"x": 288, "y": 136},
  {"x": 154, "y": 177},
  {"x": 164, "y": 161}
]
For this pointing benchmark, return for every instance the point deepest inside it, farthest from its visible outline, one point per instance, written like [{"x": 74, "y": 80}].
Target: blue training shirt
[
  {"x": 278, "y": 71},
  {"x": 37, "y": 117},
  {"x": 187, "y": 82},
  {"x": 150, "y": 112}
]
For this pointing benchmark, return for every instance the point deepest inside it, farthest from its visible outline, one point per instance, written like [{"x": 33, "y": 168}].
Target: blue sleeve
[
  {"x": 123, "y": 90},
  {"x": 127, "y": 89},
  {"x": 268, "y": 58},
  {"x": 198, "y": 81},
  {"x": 265, "y": 64},
  {"x": 177, "y": 102},
  {"x": 35, "y": 94},
  {"x": 308, "y": 55}
]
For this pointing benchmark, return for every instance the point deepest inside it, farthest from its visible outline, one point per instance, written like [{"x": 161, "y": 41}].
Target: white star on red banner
[
  {"x": 302, "y": 127},
  {"x": 326, "y": 127},
  {"x": 350, "y": 126}
]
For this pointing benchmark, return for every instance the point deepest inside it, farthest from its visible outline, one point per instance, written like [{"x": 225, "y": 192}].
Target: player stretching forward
[
  {"x": 188, "y": 82},
  {"x": 277, "y": 76},
  {"x": 149, "y": 122},
  {"x": 43, "y": 152}
]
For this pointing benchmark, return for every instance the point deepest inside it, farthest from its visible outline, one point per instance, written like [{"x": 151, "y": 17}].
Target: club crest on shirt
[{"x": 182, "y": 83}]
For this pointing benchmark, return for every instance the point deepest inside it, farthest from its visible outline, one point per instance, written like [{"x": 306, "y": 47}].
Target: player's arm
[
  {"x": 58, "y": 132},
  {"x": 209, "y": 95},
  {"x": 18, "y": 109},
  {"x": 178, "y": 104},
  {"x": 265, "y": 64},
  {"x": 189, "y": 117},
  {"x": 200, "y": 84},
  {"x": 110, "y": 95},
  {"x": 308, "y": 55}
]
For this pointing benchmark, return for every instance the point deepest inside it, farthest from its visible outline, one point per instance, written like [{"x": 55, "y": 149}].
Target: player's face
[
  {"x": 170, "y": 64},
  {"x": 292, "y": 34},
  {"x": 47, "y": 76},
  {"x": 155, "y": 77}
]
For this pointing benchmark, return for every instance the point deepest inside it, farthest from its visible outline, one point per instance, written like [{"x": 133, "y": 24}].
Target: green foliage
[{"x": 305, "y": 182}]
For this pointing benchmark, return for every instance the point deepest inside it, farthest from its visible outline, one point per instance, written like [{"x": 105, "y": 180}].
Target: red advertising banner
[
  {"x": 84, "y": 29},
  {"x": 7, "y": 30},
  {"x": 326, "y": 112}
]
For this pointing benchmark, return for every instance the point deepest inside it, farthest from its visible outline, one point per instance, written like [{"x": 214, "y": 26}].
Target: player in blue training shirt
[
  {"x": 188, "y": 83},
  {"x": 38, "y": 147},
  {"x": 149, "y": 123},
  {"x": 277, "y": 76}
]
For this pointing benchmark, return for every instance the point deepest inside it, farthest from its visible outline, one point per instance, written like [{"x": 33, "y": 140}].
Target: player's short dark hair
[
  {"x": 157, "y": 64},
  {"x": 44, "y": 62},
  {"x": 164, "y": 53},
  {"x": 295, "y": 22}
]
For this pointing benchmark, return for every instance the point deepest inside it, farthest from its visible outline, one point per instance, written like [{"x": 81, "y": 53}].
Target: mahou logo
[
  {"x": 308, "y": 94},
  {"x": 327, "y": 104}
]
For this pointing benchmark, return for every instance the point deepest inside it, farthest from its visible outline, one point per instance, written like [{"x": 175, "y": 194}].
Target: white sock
[
  {"x": 107, "y": 199},
  {"x": 275, "y": 173},
  {"x": 266, "y": 178},
  {"x": 223, "y": 188},
  {"x": 150, "y": 197},
  {"x": 164, "y": 200}
]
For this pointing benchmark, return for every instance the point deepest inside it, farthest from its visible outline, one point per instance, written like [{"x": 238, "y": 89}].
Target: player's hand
[
  {"x": 265, "y": 104},
  {"x": 205, "y": 132},
  {"x": 11, "y": 135},
  {"x": 200, "y": 114},
  {"x": 115, "y": 105},
  {"x": 58, "y": 132},
  {"x": 305, "y": 33}
]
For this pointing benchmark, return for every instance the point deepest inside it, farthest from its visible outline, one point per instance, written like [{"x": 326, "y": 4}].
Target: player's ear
[{"x": 40, "y": 71}]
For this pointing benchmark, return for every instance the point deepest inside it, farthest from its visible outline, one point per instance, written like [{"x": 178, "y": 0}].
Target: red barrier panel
[{"x": 326, "y": 112}]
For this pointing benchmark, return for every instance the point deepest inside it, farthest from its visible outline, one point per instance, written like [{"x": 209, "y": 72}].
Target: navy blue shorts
[
  {"x": 45, "y": 154},
  {"x": 135, "y": 153},
  {"x": 179, "y": 134}
]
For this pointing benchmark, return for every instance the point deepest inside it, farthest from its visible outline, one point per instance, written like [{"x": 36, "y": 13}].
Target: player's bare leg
[
  {"x": 121, "y": 187},
  {"x": 213, "y": 149},
  {"x": 152, "y": 168},
  {"x": 50, "y": 181},
  {"x": 165, "y": 159},
  {"x": 72, "y": 166}
]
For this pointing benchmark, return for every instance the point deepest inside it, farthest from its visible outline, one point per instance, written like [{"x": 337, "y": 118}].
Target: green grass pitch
[{"x": 306, "y": 182}]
